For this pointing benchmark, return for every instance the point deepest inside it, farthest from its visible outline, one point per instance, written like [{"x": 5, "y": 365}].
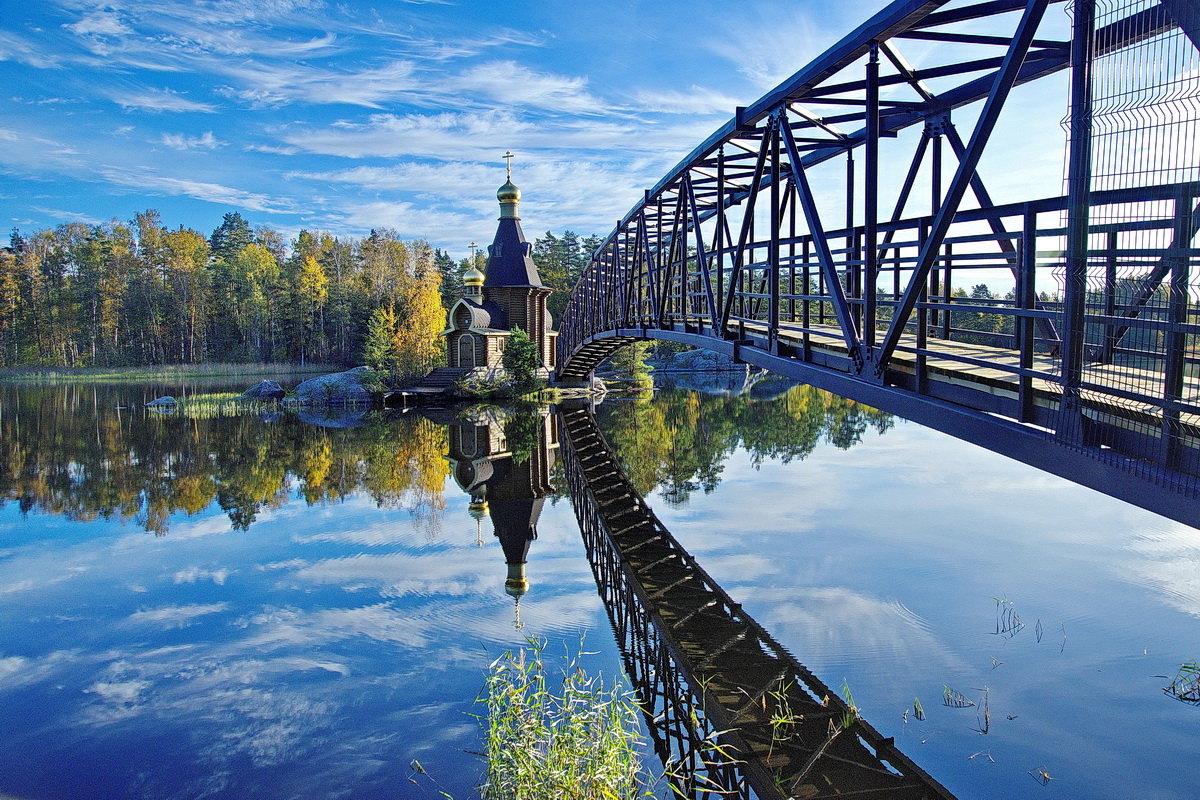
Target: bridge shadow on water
[{"x": 730, "y": 711}]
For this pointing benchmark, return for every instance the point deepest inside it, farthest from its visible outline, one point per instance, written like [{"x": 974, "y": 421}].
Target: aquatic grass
[
  {"x": 577, "y": 741},
  {"x": 1008, "y": 622},
  {"x": 953, "y": 698},
  {"x": 221, "y": 404},
  {"x": 1186, "y": 685}
]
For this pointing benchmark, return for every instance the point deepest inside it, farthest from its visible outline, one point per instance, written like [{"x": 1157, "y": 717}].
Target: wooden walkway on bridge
[
  {"x": 785, "y": 731},
  {"x": 998, "y": 370}
]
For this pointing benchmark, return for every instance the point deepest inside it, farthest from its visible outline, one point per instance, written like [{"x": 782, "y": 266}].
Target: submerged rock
[
  {"x": 340, "y": 388},
  {"x": 264, "y": 390},
  {"x": 162, "y": 402}
]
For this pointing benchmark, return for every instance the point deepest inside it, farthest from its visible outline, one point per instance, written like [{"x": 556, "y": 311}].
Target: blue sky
[{"x": 352, "y": 115}]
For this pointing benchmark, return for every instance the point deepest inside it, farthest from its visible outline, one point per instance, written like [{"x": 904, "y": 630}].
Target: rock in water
[
  {"x": 264, "y": 390},
  {"x": 159, "y": 402},
  {"x": 336, "y": 389}
]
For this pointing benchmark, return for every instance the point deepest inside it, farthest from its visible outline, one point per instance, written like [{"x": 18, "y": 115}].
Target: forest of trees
[
  {"x": 141, "y": 293},
  {"x": 110, "y": 465}
]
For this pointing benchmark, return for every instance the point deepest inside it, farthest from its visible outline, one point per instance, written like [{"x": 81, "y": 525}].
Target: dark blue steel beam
[
  {"x": 1136, "y": 483},
  {"x": 1186, "y": 14},
  {"x": 812, "y": 216},
  {"x": 930, "y": 248},
  {"x": 739, "y": 259},
  {"x": 899, "y": 15},
  {"x": 701, "y": 254}
]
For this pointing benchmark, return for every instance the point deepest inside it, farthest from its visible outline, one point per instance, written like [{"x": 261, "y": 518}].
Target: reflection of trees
[
  {"x": 679, "y": 440},
  {"x": 70, "y": 451}
]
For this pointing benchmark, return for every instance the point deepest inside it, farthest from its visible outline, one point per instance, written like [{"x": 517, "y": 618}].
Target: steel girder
[{"x": 731, "y": 248}]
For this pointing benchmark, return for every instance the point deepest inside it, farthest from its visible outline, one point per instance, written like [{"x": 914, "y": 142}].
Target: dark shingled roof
[
  {"x": 509, "y": 263},
  {"x": 485, "y": 315}
]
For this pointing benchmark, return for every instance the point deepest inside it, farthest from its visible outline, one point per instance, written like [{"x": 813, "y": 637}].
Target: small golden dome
[
  {"x": 478, "y": 509},
  {"x": 508, "y": 193},
  {"x": 473, "y": 277},
  {"x": 516, "y": 587}
]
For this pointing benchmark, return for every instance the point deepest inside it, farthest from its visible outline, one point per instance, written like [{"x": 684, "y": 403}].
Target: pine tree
[{"x": 230, "y": 237}]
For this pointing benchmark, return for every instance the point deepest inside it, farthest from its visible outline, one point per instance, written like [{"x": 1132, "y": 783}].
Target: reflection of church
[
  {"x": 510, "y": 295},
  {"x": 507, "y": 480}
]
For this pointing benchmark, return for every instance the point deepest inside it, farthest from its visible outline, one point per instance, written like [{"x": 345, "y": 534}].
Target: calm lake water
[{"x": 280, "y": 606}]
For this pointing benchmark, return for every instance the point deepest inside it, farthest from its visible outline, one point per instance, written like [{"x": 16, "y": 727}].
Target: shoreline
[{"x": 158, "y": 372}]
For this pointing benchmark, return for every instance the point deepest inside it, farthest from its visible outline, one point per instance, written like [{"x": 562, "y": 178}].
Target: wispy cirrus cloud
[
  {"x": 148, "y": 181},
  {"x": 284, "y": 83},
  {"x": 693, "y": 100},
  {"x": 511, "y": 84},
  {"x": 158, "y": 100},
  {"x": 14, "y": 47},
  {"x": 477, "y": 136}
]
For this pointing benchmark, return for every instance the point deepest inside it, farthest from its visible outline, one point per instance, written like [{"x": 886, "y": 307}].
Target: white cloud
[
  {"x": 693, "y": 100},
  {"x": 157, "y": 100},
  {"x": 17, "y": 48},
  {"x": 146, "y": 181},
  {"x": 181, "y": 141},
  {"x": 278, "y": 84},
  {"x": 103, "y": 22},
  {"x": 70, "y": 216},
  {"x": 512, "y": 84}
]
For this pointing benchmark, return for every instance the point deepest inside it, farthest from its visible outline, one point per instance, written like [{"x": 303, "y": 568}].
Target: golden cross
[{"x": 508, "y": 157}]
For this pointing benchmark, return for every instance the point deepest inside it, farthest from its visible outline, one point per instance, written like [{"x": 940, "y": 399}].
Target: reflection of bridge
[
  {"x": 715, "y": 687},
  {"x": 1089, "y": 367}
]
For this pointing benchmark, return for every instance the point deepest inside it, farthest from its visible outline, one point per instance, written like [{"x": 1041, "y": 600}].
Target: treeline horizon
[{"x": 142, "y": 293}]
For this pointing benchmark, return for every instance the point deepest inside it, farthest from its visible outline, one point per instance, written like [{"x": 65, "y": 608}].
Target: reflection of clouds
[
  {"x": 176, "y": 616},
  {"x": 194, "y": 574},
  {"x": 1169, "y": 561},
  {"x": 20, "y": 671},
  {"x": 118, "y": 693},
  {"x": 837, "y": 623},
  {"x": 396, "y": 574},
  {"x": 322, "y": 669}
]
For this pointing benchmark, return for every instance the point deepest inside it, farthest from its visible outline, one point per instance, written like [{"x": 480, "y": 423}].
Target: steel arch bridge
[{"x": 771, "y": 243}]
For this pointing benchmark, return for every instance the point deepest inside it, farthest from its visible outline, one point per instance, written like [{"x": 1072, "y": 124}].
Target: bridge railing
[
  {"x": 1093, "y": 336},
  {"x": 1141, "y": 311}
]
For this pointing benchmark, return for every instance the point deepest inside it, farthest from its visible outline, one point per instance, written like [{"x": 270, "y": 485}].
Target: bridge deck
[
  {"x": 998, "y": 371},
  {"x": 795, "y": 736}
]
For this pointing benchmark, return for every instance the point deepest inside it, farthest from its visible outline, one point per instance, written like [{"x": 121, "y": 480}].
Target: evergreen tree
[
  {"x": 521, "y": 361},
  {"x": 379, "y": 348},
  {"x": 452, "y": 285},
  {"x": 230, "y": 237}
]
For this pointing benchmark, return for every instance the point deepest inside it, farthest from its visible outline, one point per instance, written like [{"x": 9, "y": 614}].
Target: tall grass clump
[{"x": 576, "y": 740}]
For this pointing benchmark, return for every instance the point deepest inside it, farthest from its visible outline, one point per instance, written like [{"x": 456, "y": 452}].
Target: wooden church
[{"x": 509, "y": 295}]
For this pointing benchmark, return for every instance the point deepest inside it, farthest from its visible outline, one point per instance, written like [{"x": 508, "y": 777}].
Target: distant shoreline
[{"x": 34, "y": 374}]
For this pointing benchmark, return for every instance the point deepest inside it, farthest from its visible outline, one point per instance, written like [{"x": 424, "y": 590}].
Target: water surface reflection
[{"x": 318, "y": 602}]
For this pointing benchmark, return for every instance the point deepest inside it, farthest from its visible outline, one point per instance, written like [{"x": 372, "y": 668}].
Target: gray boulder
[
  {"x": 340, "y": 388},
  {"x": 162, "y": 402},
  {"x": 699, "y": 361},
  {"x": 264, "y": 390}
]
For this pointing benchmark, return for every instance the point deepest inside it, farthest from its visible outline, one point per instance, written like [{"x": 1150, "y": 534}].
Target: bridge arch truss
[{"x": 1089, "y": 367}]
